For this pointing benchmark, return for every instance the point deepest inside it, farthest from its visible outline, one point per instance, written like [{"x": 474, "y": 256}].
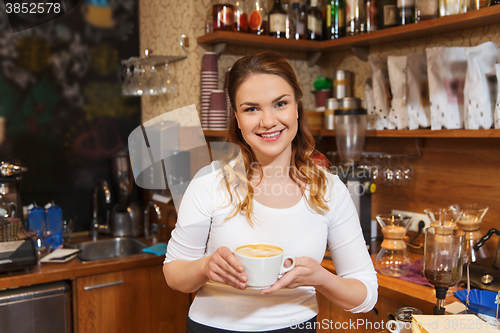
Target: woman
[{"x": 287, "y": 201}]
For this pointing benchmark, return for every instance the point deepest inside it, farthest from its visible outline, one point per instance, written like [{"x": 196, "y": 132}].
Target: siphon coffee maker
[
  {"x": 350, "y": 129},
  {"x": 443, "y": 261},
  {"x": 394, "y": 258}
]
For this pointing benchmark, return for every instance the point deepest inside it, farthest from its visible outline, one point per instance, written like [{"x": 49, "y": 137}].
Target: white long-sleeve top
[{"x": 298, "y": 230}]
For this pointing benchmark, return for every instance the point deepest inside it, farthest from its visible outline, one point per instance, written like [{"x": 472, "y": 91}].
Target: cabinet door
[
  {"x": 344, "y": 321},
  {"x": 324, "y": 314},
  {"x": 169, "y": 308},
  {"x": 112, "y": 302},
  {"x": 136, "y": 300}
]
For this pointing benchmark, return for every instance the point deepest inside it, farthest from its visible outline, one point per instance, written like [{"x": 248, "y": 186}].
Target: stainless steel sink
[{"x": 109, "y": 248}]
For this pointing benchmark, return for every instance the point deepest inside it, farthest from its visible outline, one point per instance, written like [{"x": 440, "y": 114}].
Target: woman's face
[{"x": 267, "y": 113}]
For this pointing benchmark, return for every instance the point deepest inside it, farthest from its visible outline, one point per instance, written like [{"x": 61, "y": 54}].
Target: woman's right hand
[{"x": 223, "y": 267}]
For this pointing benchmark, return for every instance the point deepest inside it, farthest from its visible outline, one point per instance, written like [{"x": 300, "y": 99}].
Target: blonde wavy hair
[{"x": 303, "y": 170}]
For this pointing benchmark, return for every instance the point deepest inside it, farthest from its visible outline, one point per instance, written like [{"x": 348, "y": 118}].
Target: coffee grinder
[{"x": 350, "y": 129}]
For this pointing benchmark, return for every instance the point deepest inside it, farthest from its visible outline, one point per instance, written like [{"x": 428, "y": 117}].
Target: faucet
[
  {"x": 147, "y": 228},
  {"x": 95, "y": 227}
]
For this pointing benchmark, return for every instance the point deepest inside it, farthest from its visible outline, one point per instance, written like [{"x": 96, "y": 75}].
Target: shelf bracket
[
  {"x": 361, "y": 52},
  {"x": 312, "y": 58},
  {"x": 218, "y": 48}
]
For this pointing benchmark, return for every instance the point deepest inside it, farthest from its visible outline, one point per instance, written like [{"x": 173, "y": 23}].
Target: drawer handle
[{"x": 104, "y": 285}]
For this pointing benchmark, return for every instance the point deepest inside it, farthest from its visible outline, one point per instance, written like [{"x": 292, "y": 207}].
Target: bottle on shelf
[
  {"x": 277, "y": 20},
  {"x": 426, "y": 10},
  {"x": 257, "y": 18},
  {"x": 288, "y": 10},
  {"x": 240, "y": 16},
  {"x": 355, "y": 17},
  {"x": 297, "y": 24},
  {"x": 406, "y": 11},
  {"x": 209, "y": 24},
  {"x": 223, "y": 15},
  {"x": 371, "y": 15},
  {"x": 335, "y": 19},
  {"x": 303, "y": 18},
  {"x": 314, "y": 22},
  {"x": 387, "y": 13}
]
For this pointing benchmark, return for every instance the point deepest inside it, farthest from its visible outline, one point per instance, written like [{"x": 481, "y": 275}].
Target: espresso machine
[
  {"x": 10, "y": 197},
  {"x": 350, "y": 129}
]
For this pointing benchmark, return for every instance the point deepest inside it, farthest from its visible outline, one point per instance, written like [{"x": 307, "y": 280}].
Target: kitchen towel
[{"x": 159, "y": 249}]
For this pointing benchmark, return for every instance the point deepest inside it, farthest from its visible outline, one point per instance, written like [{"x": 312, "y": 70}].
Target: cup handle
[
  {"x": 388, "y": 326},
  {"x": 284, "y": 269}
]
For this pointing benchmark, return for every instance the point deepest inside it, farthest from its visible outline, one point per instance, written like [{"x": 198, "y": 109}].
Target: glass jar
[
  {"x": 223, "y": 15},
  {"x": 240, "y": 16},
  {"x": 257, "y": 18},
  {"x": 426, "y": 10}
]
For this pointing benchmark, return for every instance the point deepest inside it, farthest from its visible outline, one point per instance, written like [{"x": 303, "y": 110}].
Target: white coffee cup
[
  {"x": 263, "y": 263},
  {"x": 403, "y": 322}
]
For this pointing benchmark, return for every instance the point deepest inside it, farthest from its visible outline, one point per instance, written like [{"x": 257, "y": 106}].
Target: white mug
[
  {"x": 396, "y": 326},
  {"x": 263, "y": 263}
]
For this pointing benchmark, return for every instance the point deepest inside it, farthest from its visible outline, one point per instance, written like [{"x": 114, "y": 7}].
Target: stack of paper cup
[
  {"x": 209, "y": 82},
  {"x": 218, "y": 113}
]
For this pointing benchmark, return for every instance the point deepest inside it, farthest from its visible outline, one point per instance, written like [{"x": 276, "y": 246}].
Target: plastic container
[
  {"x": 36, "y": 223},
  {"x": 36, "y": 220},
  {"x": 54, "y": 222}
]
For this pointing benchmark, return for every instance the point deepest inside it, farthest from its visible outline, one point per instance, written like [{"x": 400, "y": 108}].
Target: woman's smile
[{"x": 270, "y": 136}]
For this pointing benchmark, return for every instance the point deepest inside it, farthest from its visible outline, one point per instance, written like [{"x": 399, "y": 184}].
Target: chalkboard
[{"x": 60, "y": 94}]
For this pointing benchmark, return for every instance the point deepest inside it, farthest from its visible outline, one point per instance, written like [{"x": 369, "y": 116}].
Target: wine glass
[
  {"x": 127, "y": 88},
  {"x": 388, "y": 170}
]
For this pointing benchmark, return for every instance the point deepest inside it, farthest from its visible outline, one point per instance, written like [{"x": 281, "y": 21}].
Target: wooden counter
[
  {"x": 389, "y": 287},
  {"x": 143, "y": 282},
  {"x": 120, "y": 295},
  {"x": 42, "y": 273}
]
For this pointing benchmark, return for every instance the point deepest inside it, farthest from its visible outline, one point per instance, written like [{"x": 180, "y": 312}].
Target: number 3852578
[{"x": 33, "y": 8}]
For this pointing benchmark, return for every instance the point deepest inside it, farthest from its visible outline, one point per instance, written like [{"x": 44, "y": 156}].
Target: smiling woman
[{"x": 289, "y": 203}]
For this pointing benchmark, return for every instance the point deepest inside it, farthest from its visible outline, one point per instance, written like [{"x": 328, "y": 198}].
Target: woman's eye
[
  {"x": 281, "y": 104},
  {"x": 250, "y": 109}
]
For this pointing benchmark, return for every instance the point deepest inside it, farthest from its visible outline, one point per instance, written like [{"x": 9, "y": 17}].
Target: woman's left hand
[{"x": 307, "y": 272}]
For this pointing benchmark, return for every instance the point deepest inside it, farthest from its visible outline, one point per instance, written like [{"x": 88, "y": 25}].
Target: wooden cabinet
[{"x": 135, "y": 300}]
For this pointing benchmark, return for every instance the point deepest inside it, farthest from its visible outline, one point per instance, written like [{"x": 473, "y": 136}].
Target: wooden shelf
[
  {"x": 421, "y": 133},
  {"x": 452, "y": 23},
  {"x": 266, "y": 42}
]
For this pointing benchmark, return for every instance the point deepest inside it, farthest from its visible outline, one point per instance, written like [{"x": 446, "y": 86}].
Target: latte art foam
[{"x": 259, "y": 250}]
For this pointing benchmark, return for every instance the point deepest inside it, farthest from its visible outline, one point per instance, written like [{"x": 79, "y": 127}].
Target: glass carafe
[
  {"x": 394, "y": 259},
  {"x": 470, "y": 219}
]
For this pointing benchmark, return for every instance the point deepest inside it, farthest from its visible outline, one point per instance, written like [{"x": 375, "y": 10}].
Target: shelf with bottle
[{"x": 452, "y": 23}]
